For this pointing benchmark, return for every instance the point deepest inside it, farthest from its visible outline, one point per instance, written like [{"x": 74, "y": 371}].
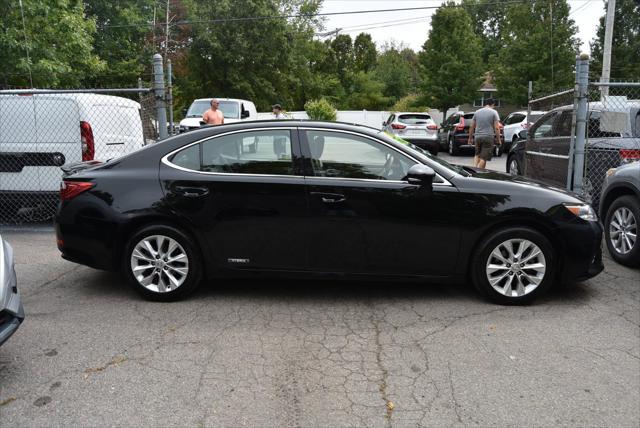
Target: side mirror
[
  {"x": 523, "y": 134},
  {"x": 184, "y": 112},
  {"x": 244, "y": 114},
  {"x": 421, "y": 175},
  {"x": 384, "y": 123}
]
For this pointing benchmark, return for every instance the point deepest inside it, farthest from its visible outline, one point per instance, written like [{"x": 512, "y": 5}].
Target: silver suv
[
  {"x": 417, "y": 128},
  {"x": 620, "y": 211}
]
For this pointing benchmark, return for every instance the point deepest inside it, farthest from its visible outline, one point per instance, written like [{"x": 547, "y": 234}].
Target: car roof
[
  {"x": 412, "y": 112},
  {"x": 221, "y": 99},
  {"x": 525, "y": 112}
]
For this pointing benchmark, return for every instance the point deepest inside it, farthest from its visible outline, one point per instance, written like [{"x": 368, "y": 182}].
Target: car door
[
  {"x": 364, "y": 217},
  {"x": 250, "y": 206},
  {"x": 536, "y": 147},
  {"x": 555, "y": 150}
]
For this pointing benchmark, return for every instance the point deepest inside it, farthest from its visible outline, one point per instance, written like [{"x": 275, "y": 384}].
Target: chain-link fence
[
  {"x": 612, "y": 132},
  {"x": 42, "y": 130}
]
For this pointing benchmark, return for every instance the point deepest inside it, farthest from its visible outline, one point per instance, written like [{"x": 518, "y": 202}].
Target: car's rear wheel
[
  {"x": 513, "y": 266},
  {"x": 513, "y": 167},
  {"x": 453, "y": 149},
  {"x": 622, "y": 223},
  {"x": 162, "y": 264}
]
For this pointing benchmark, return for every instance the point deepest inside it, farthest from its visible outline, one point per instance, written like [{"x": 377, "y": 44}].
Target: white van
[
  {"x": 234, "y": 110},
  {"x": 41, "y": 132}
]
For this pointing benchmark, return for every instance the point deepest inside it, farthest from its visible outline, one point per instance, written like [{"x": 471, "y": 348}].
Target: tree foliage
[
  {"x": 625, "y": 48},
  {"x": 451, "y": 59},
  {"x": 364, "y": 52},
  {"x": 539, "y": 46},
  {"x": 320, "y": 109},
  {"x": 395, "y": 71},
  {"x": 59, "y": 41}
]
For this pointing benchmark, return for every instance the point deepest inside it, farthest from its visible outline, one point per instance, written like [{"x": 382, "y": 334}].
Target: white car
[
  {"x": 417, "y": 128},
  {"x": 516, "y": 122},
  {"x": 234, "y": 110},
  {"x": 11, "y": 311}
]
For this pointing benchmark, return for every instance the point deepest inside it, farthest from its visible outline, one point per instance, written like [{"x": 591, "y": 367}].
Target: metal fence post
[
  {"x": 582, "y": 86},
  {"x": 158, "y": 86},
  {"x": 170, "y": 96}
]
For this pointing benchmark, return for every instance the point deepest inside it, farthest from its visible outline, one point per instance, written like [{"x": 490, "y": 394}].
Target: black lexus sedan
[{"x": 302, "y": 198}]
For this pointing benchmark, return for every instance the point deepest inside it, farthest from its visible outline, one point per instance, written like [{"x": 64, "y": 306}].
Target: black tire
[
  {"x": 482, "y": 256},
  {"x": 631, "y": 258},
  {"x": 194, "y": 273},
  {"x": 453, "y": 149},
  {"x": 509, "y": 169}
]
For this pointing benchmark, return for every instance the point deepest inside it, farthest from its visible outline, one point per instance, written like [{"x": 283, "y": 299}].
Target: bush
[
  {"x": 409, "y": 103},
  {"x": 320, "y": 110}
]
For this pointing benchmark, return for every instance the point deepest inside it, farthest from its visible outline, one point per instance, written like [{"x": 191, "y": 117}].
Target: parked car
[
  {"x": 41, "y": 132},
  {"x": 620, "y": 211},
  {"x": 11, "y": 310},
  {"x": 234, "y": 110},
  {"x": 453, "y": 135},
  {"x": 515, "y": 155},
  {"x": 516, "y": 122},
  {"x": 323, "y": 199},
  {"x": 417, "y": 128},
  {"x": 545, "y": 154}
]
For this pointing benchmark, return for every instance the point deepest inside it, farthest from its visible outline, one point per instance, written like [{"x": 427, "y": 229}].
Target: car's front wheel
[
  {"x": 162, "y": 264},
  {"x": 513, "y": 266},
  {"x": 621, "y": 230},
  {"x": 513, "y": 167}
]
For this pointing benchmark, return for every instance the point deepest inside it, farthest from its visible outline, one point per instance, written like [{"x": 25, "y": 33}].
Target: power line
[{"x": 307, "y": 15}]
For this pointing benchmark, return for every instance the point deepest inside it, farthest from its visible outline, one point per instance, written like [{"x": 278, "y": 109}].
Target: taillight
[
  {"x": 71, "y": 189},
  {"x": 86, "y": 137},
  {"x": 629, "y": 155},
  {"x": 432, "y": 127},
  {"x": 460, "y": 126},
  {"x": 398, "y": 126}
]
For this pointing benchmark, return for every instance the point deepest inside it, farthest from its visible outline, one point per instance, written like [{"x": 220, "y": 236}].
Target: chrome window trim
[
  {"x": 165, "y": 158},
  {"x": 546, "y": 155},
  {"x": 445, "y": 182}
]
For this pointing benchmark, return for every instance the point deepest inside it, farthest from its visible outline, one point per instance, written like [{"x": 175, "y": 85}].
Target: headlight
[
  {"x": 611, "y": 171},
  {"x": 584, "y": 211}
]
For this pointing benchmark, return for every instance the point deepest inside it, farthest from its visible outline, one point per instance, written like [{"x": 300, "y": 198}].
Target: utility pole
[
  {"x": 166, "y": 33},
  {"x": 606, "y": 57}
]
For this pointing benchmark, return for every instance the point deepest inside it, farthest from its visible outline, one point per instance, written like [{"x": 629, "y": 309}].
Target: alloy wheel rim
[
  {"x": 513, "y": 167},
  {"x": 159, "y": 264},
  {"x": 623, "y": 230},
  {"x": 450, "y": 147},
  {"x": 516, "y": 267}
]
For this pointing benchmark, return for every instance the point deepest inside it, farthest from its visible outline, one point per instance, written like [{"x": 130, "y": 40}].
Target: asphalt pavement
[{"x": 315, "y": 353}]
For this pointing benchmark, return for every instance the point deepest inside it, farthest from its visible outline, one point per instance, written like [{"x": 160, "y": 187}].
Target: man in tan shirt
[{"x": 213, "y": 116}]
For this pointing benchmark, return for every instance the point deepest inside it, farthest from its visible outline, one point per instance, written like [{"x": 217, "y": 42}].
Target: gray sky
[{"x": 412, "y": 27}]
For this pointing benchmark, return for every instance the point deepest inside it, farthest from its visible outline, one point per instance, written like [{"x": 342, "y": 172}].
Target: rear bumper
[{"x": 430, "y": 144}]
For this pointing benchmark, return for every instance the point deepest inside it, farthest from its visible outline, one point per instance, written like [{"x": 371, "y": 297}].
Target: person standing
[
  {"x": 276, "y": 109},
  {"x": 486, "y": 130},
  {"x": 213, "y": 116}
]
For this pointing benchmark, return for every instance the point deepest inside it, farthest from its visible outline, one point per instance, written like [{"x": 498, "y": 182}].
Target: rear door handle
[
  {"x": 330, "y": 198},
  {"x": 191, "y": 192}
]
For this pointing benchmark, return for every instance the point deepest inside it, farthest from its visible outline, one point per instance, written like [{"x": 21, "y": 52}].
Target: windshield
[
  {"x": 230, "y": 109},
  {"x": 414, "y": 119},
  {"x": 455, "y": 168}
]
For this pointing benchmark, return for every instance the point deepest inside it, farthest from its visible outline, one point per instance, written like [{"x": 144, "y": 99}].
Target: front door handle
[
  {"x": 191, "y": 192},
  {"x": 330, "y": 198}
]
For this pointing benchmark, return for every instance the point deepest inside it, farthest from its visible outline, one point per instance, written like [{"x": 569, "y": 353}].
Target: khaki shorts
[{"x": 484, "y": 146}]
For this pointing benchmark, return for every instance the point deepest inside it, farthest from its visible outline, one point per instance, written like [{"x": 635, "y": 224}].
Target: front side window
[
  {"x": 544, "y": 126},
  {"x": 335, "y": 154},
  {"x": 253, "y": 152}
]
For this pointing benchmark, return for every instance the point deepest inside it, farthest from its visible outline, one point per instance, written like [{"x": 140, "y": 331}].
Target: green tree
[
  {"x": 625, "y": 49},
  {"x": 59, "y": 39},
  {"x": 320, "y": 109},
  {"x": 488, "y": 20},
  {"x": 365, "y": 54},
  {"x": 366, "y": 93},
  {"x": 451, "y": 59},
  {"x": 536, "y": 48},
  {"x": 122, "y": 39},
  {"x": 258, "y": 60},
  {"x": 395, "y": 71},
  {"x": 342, "y": 47}
]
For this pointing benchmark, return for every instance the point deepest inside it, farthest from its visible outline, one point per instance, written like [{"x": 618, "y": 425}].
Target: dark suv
[
  {"x": 453, "y": 135},
  {"x": 544, "y": 155}
]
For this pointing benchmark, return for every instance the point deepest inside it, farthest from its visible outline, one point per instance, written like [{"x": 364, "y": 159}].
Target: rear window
[
  {"x": 469, "y": 116},
  {"x": 414, "y": 119},
  {"x": 534, "y": 117}
]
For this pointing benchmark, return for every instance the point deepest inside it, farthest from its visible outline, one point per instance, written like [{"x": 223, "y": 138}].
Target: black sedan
[{"x": 302, "y": 198}]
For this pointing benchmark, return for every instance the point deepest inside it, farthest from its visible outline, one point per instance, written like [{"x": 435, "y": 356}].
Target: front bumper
[
  {"x": 11, "y": 310},
  {"x": 9, "y": 323},
  {"x": 582, "y": 258}
]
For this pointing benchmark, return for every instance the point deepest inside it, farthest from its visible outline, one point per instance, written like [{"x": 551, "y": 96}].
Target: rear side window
[
  {"x": 516, "y": 118},
  {"x": 256, "y": 152},
  {"x": 468, "y": 116},
  {"x": 414, "y": 119},
  {"x": 594, "y": 129}
]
